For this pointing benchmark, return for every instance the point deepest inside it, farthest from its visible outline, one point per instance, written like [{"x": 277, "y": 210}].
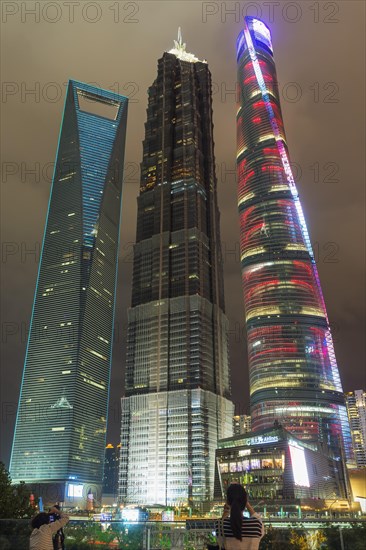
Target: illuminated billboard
[
  {"x": 130, "y": 514},
  {"x": 299, "y": 468},
  {"x": 167, "y": 515},
  {"x": 74, "y": 490}
]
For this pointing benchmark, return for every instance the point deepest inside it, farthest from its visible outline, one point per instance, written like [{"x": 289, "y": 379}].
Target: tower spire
[
  {"x": 179, "y": 49},
  {"x": 179, "y": 44}
]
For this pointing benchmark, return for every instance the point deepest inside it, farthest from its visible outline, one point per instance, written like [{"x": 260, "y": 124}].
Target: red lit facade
[{"x": 294, "y": 377}]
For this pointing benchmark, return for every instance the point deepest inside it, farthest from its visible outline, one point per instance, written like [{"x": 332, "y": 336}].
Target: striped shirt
[
  {"x": 41, "y": 539},
  {"x": 252, "y": 530}
]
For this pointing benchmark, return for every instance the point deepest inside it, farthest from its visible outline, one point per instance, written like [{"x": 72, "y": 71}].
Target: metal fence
[{"x": 193, "y": 535}]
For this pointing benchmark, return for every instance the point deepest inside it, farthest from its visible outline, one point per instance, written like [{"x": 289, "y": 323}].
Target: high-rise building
[
  {"x": 356, "y": 408},
  {"x": 60, "y": 430},
  {"x": 111, "y": 467},
  {"x": 242, "y": 424},
  {"x": 294, "y": 377},
  {"x": 177, "y": 391}
]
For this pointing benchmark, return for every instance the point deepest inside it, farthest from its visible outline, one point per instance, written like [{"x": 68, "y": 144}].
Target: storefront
[{"x": 280, "y": 469}]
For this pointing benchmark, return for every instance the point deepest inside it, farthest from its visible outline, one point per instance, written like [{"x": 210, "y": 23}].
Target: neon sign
[{"x": 260, "y": 439}]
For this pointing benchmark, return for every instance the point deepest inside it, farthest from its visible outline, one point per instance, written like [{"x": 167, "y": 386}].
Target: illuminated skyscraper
[
  {"x": 59, "y": 436},
  {"x": 177, "y": 376},
  {"x": 294, "y": 376},
  {"x": 242, "y": 424},
  {"x": 356, "y": 408}
]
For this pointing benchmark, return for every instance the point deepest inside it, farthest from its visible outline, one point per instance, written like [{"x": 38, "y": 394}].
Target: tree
[
  {"x": 275, "y": 539},
  {"x": 307, "y": 540},
  {"x": 14, "y": 499},
  {"x": 353, "y": 537}
]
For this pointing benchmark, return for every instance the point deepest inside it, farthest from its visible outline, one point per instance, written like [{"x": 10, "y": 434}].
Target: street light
[{"x": 339, "y": 527}]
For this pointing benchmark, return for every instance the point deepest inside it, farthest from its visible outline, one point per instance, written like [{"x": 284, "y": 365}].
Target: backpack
[{"x": 58, "y": 540}]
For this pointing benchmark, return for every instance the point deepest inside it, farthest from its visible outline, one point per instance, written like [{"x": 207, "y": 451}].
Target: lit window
[{"x": 97, "y": 354}]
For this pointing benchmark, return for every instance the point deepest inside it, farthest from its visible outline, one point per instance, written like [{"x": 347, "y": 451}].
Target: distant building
[
  {"x": 357, "y": 478},
  {"x": 356, "y": 408},
  {"x": 111, "y": 466},
  {"x": 60, "y": 430},
  {"x": 242, "y": 424},
  {"x": 277, "y": 467}
]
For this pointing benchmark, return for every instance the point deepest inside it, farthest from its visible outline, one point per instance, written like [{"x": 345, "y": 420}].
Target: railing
[{"x": 281, "y": 533}]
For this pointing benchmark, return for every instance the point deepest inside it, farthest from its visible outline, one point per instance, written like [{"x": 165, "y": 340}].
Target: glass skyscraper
[
  {"x": 60, "y": 430},
  {"x": 294, "y": 377},
  {"x": 177, "y": 390}
]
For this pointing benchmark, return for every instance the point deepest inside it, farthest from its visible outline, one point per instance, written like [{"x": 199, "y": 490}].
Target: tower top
[
  {"x": 180, "y": 52},
  {"x": 179, "y": 37}
]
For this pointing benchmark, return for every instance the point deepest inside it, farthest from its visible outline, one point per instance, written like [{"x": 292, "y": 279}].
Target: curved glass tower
[{"x": 294, "y": 376}]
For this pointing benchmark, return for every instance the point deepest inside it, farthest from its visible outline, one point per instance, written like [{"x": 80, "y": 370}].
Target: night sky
[{"x": 319, "y": 51}]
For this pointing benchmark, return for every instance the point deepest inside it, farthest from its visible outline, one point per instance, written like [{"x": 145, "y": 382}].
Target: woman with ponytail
[{"x": 235, "y": 531}]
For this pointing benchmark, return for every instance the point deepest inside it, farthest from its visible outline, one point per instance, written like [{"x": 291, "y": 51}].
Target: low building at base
[
  {"x": 287, "y": 474},
  {"x": 357, "y": 478}
]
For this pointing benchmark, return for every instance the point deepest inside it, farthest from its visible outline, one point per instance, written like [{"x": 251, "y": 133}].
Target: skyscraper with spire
[
  {"x": 60, "y": 430},
  {"x": 177, "y": 389},
  {"x": 294, "y": 376}
]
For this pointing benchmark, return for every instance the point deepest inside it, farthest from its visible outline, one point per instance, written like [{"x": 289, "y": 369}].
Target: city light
[
  {"x": 289, "y": 340},
  {"x": 299, "y": 467}
]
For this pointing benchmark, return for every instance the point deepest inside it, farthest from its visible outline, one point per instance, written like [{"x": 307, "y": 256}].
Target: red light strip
[{"x": 290, "y": 178}]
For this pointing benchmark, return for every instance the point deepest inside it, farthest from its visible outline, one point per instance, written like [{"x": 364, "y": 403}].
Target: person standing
[
  {"x": 235, "y": 532},
  {"x": 43, "y": 530}
]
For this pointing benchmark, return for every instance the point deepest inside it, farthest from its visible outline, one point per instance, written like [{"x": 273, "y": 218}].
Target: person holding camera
[
  {"x": 236, "y": 532},
  {"x": 44, "y": 529},
  {"x": 59, "y": 537}
]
